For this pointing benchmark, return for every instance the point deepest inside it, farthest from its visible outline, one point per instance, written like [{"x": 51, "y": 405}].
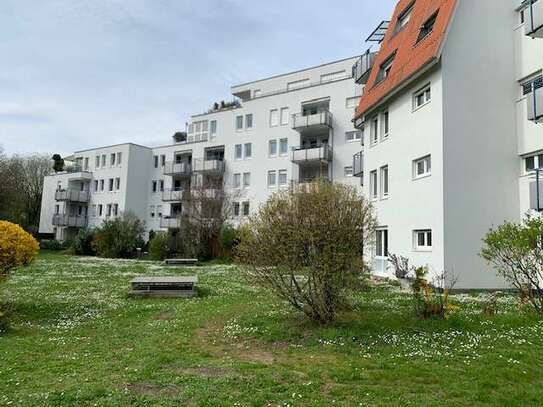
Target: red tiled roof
[{"x": 410, "y": 56}]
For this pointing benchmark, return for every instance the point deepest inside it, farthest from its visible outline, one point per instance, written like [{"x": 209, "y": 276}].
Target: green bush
[
  {"x": 47, "y": 244},
  {"x": 160, "y": 246},
  {"x": 229, "y": 238},
  {"x": 82, "y": 243},
  {"x": 119, "y": 237}
]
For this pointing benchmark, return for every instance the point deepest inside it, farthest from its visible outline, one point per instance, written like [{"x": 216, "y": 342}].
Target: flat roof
[{"x": 112, "y": 145}]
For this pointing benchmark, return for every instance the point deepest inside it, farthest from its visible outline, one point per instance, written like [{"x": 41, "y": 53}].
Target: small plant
[
  {"x": 17, "y": 247},
  {"x": 432, "y": 300},
  {"x": 160, "y": 246},
  {"x": 82, "y": 242},
  {"x": 119, "y": 237},
  {"x": 402, "y": 270}
]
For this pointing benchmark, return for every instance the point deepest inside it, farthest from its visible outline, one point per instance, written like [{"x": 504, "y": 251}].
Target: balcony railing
[
  {"x": 173, "y": 195},
  {"x": 170, "y": 222},
  {"x": 535, "y": 103},
  {"x": 322, "y": 153},
  {"x": 64, "y": 220},
  {"x": 177, "y": 169},
  {"x": 209, "y": 166},
  {"x": 533, "y": 16},
  {"x": 362, "y": 67},
  {"x": 321, "y": 119},
  {"x": 72, "y": 195},
  {"x": 358, "y": 164}
]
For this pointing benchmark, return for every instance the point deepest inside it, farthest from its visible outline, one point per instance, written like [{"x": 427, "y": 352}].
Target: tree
[
  {"x": 58, "y": 165},
  {"x": 516, "y": 252},
  {"x": 307, "y": 246}
]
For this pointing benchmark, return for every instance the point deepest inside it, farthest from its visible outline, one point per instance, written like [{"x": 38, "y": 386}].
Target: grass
[{"x": 76, "y": 339}]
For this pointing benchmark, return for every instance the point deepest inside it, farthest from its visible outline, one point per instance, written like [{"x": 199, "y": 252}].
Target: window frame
[
  {"x": 249, "y": 119},
  {"x": 238, "y": 120},
  {"x": 277, "y": 118},
  {"x": 381, "y": 243},
  {"x": 270, "y": 143},
  {"x": 240, "y": 151},
  {"x": 274, "y": 174},
  {"x": 374, "y": 185},
  {"x": 250, "y": 149},
  {"x": 384, "y": 182},
  {"x": 427, "y": 164},
  {"x": 354, "y": 139},
  {"x": 285, "y": 140},
  {"x": 426, "y": 93},
  {"x": 385, "y": 68},
  {"x": 427, "y": 240},
  {"x": 385, "y": 124},
  {"x": 425, "y": 34}
]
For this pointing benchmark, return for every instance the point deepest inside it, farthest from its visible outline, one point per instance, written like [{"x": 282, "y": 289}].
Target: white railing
[
  {"x": 318, "y": 153},
  {"x": 319, "y": 119},
  {"x": 170, "y": 222},
  {"x": 72, "y": 195},
  {"x": 209, "y": 166},
  {"x": 182, "y": 168},
  {"x": 64, "y": 220},
  {"x": 534, "y": 19},
  {"x": 172, "y": 195}
]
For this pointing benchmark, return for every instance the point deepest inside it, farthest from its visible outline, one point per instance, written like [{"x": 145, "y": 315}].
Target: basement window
[{"x": 427, "y": 28}]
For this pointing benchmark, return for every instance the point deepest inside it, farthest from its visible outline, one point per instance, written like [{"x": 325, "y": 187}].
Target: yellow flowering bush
[{"x": 17, "y": 247}]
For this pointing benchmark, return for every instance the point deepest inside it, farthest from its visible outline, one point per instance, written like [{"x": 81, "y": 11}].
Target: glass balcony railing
[
  {"x": 533, "y": 17},
  {"x": 319, "y": 119},
  {"x": 72, "y": 195},
  {"x": 322, "y": 153},
  {"x": 209, "y": 166},
  {"x": 358, "y": 164},
  {"x": 362, "y": 67},
  {"x": 64, "y": 220},
  {"x": 177, "y": 169}
]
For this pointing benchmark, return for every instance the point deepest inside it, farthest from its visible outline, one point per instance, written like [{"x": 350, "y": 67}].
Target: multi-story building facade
[
  {"x": 449, "y": 114},
  {"x": 289, "y": 128}
]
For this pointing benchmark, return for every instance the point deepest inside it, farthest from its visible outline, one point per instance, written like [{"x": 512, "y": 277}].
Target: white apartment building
[
  {"x": 450, "y": 115},
  {"x": 287, "y": 128}
]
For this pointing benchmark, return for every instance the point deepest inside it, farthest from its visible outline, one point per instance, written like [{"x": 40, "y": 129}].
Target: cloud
[{"x": 15, "y": 112}]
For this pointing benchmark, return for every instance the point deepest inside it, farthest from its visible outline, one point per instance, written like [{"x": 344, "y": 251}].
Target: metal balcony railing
[
  {"x": 362, "y": 67},
  {"x": 64, "y": 220},
  {"x": 533, "y": 16},
  {"x": 209, "y": 166},
  {"x": 72, "y": 195},
  {"x": 358, "y": 164},
  {"x": 323, "y": 118},
  {"x": 177, "y": 169},
  {"x": 535, "y": 102},
  {"x": 322, "y": 153},
  {"x": 173, "y": 195}
]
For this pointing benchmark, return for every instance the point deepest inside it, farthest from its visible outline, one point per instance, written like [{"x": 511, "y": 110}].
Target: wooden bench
[
  {"x": 181, "y": 262},
  {"x": 172, "y": 286}
]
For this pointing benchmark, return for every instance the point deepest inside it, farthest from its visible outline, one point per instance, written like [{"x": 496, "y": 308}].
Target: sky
[{"x": 78, "y": 74}]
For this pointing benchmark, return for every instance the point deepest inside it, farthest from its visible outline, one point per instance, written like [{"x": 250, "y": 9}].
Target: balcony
[
  {"x": 321, "y": 153},
  {"x": 170, "y": 222},
  {"x": 318, "y": 121},
  {"x": 535, "y": 104},
  {"x": 534, "y": 18},
  {"x": 64, "y": 220},
  {"x": 358, "y": 164},
  {"x": 182, "y": 169},
  {"x": 173, "y": 195},
  {"x": 72, "y": 195},
  {"x": 209, "y": 167},
  {"x": 362, "y": 67}
]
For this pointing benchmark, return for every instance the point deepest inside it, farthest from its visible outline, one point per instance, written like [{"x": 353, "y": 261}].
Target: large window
[
  {"x": 249, "y": 121},
  {"x": 239, "y": 122},
  {"x": 198, "y": 131},
  {"x": 284, "y": 116},
  {"x": 381, "y": 243},
  {"x": 213, "y": 128},
  {"x": 246, "y": 179},
  {"x": 283, "y": 178},
  {"x": 353, "y": 136},
  {"x": 384, "y": 181},
  {"x": 422, "y": 167},
  {"x": 422, "y": 240},
  {"x": 272, "y": 178},
  {"x": 238, "y": 152},
  {"x": 283, "y": 146},
  {"x": 248, "y": 150},
  {"x": 237, "y": 181}
]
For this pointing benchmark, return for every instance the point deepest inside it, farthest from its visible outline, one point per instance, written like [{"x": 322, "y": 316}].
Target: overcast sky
[{"x": 83, "y": 73}]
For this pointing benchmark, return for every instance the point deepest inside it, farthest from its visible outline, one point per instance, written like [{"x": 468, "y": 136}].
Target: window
[
  {"x": 86, "y": 163},
  {"x": 237, "y": 180},
  {"x": 374, "y": 130},
  {"x": 533, "y": 162},
  {"x": 117, "y": 184},
  {"x": 97, "y": 162},
  {"x": 274, "y": 117},
  {"x": 162, "y": 160},
  {"x": 427, "y": 27},
  {"x": 213, "y": 128},
  {"x": 112, "y": 159},
  {"x": 95, "y": 185},
  {"x": 109, "y": 207},
  {"x": 110, "y": 185},
  {"x": 422, "y": 97},
  {"x": 246, "y": 179},
  {"x": 238, "y": 152},
  {"x": 154, "y": 186},
  {"x": 197, "y": 131},
  {"x": 161, "y": 184},
  {"x": 422, "y": 240},
  {"x": 93, "y": 210},
  {"x": 348, "y": 171},
  {"x": 404, "y": 18},
  {"x": 272, "y": 148},
  {"x": 119, "y": 158},
  {"x": 239, "y": 122},
  {"x": 236, "y": 208},
  {"x": 381, "y": 243},
  {"x": 155, "y": 158},
  {"x": 103, "y": 160},
  {"x": 284, "y": 116},
  {"x": 152, "y": 211},
  {"x": 249, "y": 121},
  {"x": 385, "y": 125},
  {"x": 351, "y": 103},
  {"x": 272, "y": 178},
  {"x": 373, "y": 184},
  {"x": 257, "y": 93},
  {"x": 248, "y": 150},
  {"x": 422, "y": 167},
  {"x": 115, "y": 209},
  {"x": 245, "y": 208},
  {"x": 100, "y": 210},
  {"x": 384, "y": 181},
  {"x": 102, "y": 184},
  {"x": 353, "y": 136},
  {"x": 384, "y": 69},
  {"x": 283, "y": 146},
  {"x": 283, "y": 178},
  {"x": 531, "y": 85}
]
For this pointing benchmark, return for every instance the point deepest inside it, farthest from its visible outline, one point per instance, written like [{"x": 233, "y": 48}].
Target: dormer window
[
  {"x": 384, "y": 69},
  {"x": 427, "y": 27},
  {"x": 404, "y": 18}
]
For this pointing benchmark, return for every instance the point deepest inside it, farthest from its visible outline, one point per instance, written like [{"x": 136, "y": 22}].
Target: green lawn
[{"x": 78, "y": 340}]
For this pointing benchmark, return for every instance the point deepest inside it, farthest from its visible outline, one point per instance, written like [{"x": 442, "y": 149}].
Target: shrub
[
  {"x": 402, "y": 270},
  {"x": 516, "y": 252},
  {"x": 306, "y": 245},
  {"x": 82, "y": 243},
  {"x": 160, "y": 246},
  {"x": 228, "y": 238},
  {"x": 17, "y": 247},
  {"x": 119, "y": 237},
  {"x": 432, "y": 300},
  {"x": 46, "y": 244}
]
